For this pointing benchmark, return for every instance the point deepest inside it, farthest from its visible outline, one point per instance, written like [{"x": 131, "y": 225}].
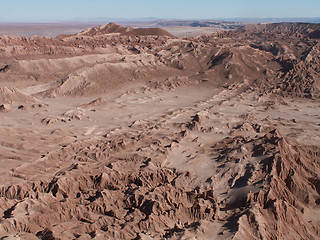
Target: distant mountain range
[
  {"x": 273, "y": 20},
  {"x": 153, "y": 19}
]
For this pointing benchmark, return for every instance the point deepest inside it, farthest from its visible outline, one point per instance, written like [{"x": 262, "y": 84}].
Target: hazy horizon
[
  {"x": 96, "y": 10},
  {"x": 103, "y": 20}
]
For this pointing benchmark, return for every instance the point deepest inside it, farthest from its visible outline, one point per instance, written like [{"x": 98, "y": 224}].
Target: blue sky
[{"x": 34, "y": 10}]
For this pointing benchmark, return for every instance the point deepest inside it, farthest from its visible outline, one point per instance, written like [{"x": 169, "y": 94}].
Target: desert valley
[{"x": 136, "y": 133}]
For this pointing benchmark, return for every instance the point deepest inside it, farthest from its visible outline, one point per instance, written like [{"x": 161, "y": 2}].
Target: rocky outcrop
[{"x": 278, "y": 192}]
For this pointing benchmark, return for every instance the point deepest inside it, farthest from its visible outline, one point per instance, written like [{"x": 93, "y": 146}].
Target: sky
[{"x": 48, "y": 10}]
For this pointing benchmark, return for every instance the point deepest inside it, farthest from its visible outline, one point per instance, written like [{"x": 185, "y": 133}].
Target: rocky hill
[{"x": 113, "y": 28}]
